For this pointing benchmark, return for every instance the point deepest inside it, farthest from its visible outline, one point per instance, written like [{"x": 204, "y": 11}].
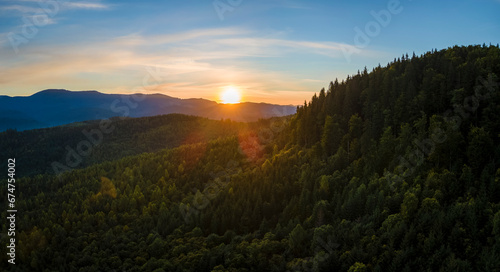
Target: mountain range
[{"x": 56, "y": 107}]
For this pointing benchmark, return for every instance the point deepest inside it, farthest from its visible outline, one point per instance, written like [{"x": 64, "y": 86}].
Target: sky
[{"x": 280, "y": 51}]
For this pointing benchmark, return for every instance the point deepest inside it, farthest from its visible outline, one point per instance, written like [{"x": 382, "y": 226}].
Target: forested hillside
[
  {"x": 396, "y": 169},
  {"x": 38, "y": 149}
]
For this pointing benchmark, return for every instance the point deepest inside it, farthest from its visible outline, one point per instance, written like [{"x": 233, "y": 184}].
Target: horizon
[
  {"x": 218, "y": 102},
  {"x": 272, "y": 52}
]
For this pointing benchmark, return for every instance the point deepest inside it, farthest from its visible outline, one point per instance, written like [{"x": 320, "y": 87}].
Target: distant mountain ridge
[{"x": 54, "y": 107}]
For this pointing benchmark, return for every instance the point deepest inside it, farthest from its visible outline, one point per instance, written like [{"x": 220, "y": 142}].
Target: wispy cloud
[
  {"x": 238, "y": 42},
  {"x": 85, "y": 5},
  {"x": 136, "y": 39},
  {"x": 22, "y": 9},
  {"x": 331, "y": 49},
  {"x": 31, "y": 7}
]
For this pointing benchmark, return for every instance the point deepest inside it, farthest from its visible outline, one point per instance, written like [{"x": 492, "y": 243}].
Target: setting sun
[{"x": 230, "y": 95}]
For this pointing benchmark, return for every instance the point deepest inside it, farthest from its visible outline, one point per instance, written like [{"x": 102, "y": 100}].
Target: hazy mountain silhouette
[{"x": 55, "y": 107}]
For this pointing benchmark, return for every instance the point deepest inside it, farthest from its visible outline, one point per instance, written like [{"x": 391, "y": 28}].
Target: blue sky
[{"x": 273, "y": 51}]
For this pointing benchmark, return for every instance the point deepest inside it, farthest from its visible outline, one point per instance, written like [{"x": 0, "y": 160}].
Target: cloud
[
  {"x": 331, "y": 49},
  {"x": 237, "y": 42},
  {"x": 85, "y": 5},
  {"x": 30, "y": 7},
  {"x": 22, "y": 9},
  {"x": 137, "y": 39}
]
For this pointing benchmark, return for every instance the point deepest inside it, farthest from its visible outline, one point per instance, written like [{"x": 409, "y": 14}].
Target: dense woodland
[
  {"x": 123, "y": 136},
  {"x": 397, "y": 169}
]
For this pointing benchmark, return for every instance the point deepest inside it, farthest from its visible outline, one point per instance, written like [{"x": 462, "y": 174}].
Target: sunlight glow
[{"x": 230, "y": 95}]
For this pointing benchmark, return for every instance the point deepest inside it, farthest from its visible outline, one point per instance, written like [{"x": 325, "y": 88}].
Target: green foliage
[
  {"x": 39, "y": 148},
  {"x": 298, "y": 240},
  {"x": 332, "y": 136}
]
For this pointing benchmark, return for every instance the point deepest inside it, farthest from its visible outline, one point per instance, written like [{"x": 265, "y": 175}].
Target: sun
[{"x": 230, "y": 95}]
